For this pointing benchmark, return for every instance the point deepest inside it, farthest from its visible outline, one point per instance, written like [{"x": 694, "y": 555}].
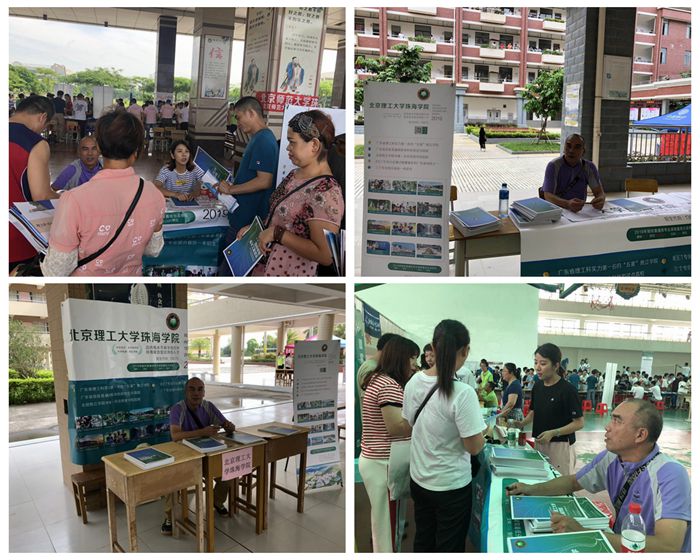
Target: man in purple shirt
[
  {"x": 196, "y": 417},
  {"x": 567, "y": 178},
  {"x": 82, "y": 169},
  {"x": 659, "y": 484}
]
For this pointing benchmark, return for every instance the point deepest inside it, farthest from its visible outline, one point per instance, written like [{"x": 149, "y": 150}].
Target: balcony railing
[
  {"x": 569, "y": 331},
  {"x": 657, "y": 145}
]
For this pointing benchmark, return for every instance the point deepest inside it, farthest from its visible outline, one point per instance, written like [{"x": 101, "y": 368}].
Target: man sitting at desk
[
  {"x": 195, "y": 417},
  {"x": 632, "y": 469},
  {"x": 567, "y": 178},
  {"x": 82, "y": 169}
]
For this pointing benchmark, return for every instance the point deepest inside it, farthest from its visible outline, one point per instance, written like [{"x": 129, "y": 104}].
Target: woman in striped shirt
[
  {"x": 179, "y": 179},
  {"x": 381, "y": 424}
]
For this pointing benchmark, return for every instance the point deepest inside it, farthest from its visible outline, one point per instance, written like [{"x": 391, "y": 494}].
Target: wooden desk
[
  {"x": 212, "y": 464},
  {"x": 502, "y": 243},
  {"x": 281, "y": 447},
  {"x": 134, "y": 486}
]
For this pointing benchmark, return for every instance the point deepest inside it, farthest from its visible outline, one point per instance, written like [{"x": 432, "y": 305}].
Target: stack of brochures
[
  {"x": 279, "y": 430},
  {"x": 518, "y": 462},
  {"x": 584, "y": 541},
  {"x": 244, "y": 439},
  {"x": 336, "y": 243},
  {"x": 205, "y": 444},
  {"x": 536, "y": 512},
  {"x": 474, "y": 221},
  {"x": 33, "y": 220},
  {"x": 148, "y": 458},
  {"x": 533, "y": 211}
]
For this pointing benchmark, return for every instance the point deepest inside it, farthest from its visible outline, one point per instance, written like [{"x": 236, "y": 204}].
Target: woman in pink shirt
[{"x": 88, "y": 216}]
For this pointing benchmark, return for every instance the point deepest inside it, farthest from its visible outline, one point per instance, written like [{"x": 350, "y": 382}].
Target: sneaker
[
  {"x": 221, "y": 510},
  {"x": 166, "y": 528}
]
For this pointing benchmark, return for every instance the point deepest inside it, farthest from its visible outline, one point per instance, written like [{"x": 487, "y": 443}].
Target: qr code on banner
[{"x": 421, "y": 130}]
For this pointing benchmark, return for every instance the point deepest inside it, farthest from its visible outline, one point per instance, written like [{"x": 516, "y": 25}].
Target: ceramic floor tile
[
  {"x": 24, "y": 518},
  {"x": 32, "y": 541}
]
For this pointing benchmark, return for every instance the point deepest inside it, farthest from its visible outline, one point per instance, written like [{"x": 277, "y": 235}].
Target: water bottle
[
  {"x": 634, "y": 531},
  {"x": 503, "y": 201}
]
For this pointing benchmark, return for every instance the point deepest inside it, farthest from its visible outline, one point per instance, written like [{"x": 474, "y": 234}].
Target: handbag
[{"x": 33, "y": 268}]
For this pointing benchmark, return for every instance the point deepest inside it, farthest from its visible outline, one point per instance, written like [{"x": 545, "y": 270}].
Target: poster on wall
[
  {"x": 127, "y": 366},
  {"x": 284, "y": 165},
  {"x": 649, "y": 113},
  {"x": 407, "y": 177},
  {"x": 315, "y": 397},
  {"x": 617, "y": 77},
  {"x": 216, "y": 61},
  {"x": 571, "y": 104},
  {"x": 256, "y": 59}
]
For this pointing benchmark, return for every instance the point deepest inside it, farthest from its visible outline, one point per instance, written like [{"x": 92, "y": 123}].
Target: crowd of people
[
  {"x": 296, "y": 214},
  {"x": 436, "y": 405}
]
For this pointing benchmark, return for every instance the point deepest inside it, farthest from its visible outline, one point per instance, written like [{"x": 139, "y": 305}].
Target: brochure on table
[
  {"x": 315, "y": 390},
  {"x": 284, "y": 165},
  {"x": 214, "y": 172},
  {"x": 584, "y": 541},
  {"x": 127, "y": 366},
  {"x": 624, "y": 240},
  {"x": 409, "y": 132}
]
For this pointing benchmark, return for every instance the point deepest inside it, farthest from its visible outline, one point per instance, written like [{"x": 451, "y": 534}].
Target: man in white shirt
[
  {"x": 638, "y": 391},
  {"x": 656, "y": 392},
  {"x": 80, "y": 108}
]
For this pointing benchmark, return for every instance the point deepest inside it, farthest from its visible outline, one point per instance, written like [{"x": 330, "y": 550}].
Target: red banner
[{"x": 276, "y": 101}]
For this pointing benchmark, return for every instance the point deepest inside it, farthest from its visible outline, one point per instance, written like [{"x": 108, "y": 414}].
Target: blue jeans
[{"x": 590, "y": 396}]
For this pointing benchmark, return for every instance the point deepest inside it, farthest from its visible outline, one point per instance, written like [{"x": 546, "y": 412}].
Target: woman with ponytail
[
  {"x": 447, "y": 430},
  {"x": 512, "y": 400},
  {"x": 555, "y": 410},
  {"x": 382, "y": 424}
]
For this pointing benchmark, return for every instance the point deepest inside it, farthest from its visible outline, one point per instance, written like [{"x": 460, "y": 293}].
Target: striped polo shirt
[
  {"x": 382, "y": 391},
  {"x": 179, "y": 182}
]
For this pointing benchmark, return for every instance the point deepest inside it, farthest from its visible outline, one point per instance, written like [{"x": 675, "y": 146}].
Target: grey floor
[{"x": 42, "y": 516}]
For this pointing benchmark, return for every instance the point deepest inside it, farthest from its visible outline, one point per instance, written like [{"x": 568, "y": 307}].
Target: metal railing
[
  {"x": 658, "y": 145},
  {"x": 582, "y": 331}
]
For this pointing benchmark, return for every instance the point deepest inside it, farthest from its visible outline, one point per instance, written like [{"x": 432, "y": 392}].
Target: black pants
[{"x": 442, "y": 518}]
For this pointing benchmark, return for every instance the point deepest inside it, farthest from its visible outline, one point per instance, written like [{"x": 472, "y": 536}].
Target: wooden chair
[
  {"x": 177, "y": 135},
  {"x": 72, "y": 132},
  {"x": 160, "y": 142},
  {"x": 89, "y": 488},
  {"x": 641, "y": 185}
]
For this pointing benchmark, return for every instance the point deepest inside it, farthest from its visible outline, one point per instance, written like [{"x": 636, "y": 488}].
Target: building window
[
  {"x": 481, "y": 38},
  {"x": 359, "y": 25},
  {"x": 465, "y": 72},
  {"x": 556, "y": 47},
  {"x": 448, "y": 70},
  {"x": 395, "y": 30},
  {"x": 448, "y": 36},
  {"x": 687, "y": 32},
  {"x": 423, "y": 31},
  {"x": 481, "y": 72},
  {"x": 664, "y": 27},
  {"x": 375, "y": 29},
  {"x": 505, "y": 74},
  {"x": 465, "y": 38},
  {"x": 545, "y": 44},
  {"x": 506, "y": 39},
  {"x": 530, "y": 77},
  {"x": 662, "y": 57},
  {"x": 686, "y": 58}
]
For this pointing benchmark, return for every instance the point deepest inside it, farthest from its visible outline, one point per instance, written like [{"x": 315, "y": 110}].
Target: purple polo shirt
[
  {"x": 662, "y": 489},
  {"x": 207, "y": 413},
  {"x": 571, "y": 182},
  {"x": 70, "y": 178}
]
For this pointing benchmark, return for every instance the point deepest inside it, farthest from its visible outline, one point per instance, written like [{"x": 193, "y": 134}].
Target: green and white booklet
[
  {"x": 537, "y": 511},
  {"x": 583, "y": 541}
]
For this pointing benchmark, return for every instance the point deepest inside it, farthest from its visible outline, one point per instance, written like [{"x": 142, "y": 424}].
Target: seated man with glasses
[{"x": 567, "y": 178}]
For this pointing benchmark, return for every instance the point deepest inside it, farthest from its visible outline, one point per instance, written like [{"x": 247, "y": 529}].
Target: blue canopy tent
[{"x": 675, "y": 120}]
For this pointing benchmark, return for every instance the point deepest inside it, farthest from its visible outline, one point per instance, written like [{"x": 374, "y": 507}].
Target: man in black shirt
[{"x": 555, "y": 410}]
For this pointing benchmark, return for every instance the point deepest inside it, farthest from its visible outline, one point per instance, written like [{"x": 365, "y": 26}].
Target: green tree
[
  {"x": 292, "y": 337},
  {"x": 182, "y": 89},
  {"x": 408, "y": 68},
  {"x": 200, "y": 345},
  {"x": 26, "y": 353},
  {"x": 325, "y": 92},
  {"x": 339, "y": 330},
  {"x": 543, "y": 97},
  {"x": 85, "y": 80},
  {"x": 144, "y": 87},
  {"x": 22, "y": 79},
  {"x": 234, "y": 93},
  {"x": 251, "y": 347}
]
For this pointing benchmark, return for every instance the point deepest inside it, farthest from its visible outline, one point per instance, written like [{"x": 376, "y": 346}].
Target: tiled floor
[{"x": 42, "y": 516}]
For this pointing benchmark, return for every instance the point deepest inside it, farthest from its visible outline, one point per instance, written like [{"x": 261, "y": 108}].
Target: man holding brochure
[
  {"x": 255, "y": 180},
  {"x": 632, "y": 470},
  {"x": 195, "y": 417}
]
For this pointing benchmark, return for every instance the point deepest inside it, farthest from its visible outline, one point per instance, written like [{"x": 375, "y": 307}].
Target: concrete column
[
  {"x": 338, "y": 96},
  {"x": 460, "y": 94},
  {"x": 216, "y": 353},
  {"x": 165, "y": 55},
  {"x": 582, "y": 67},
  {"x": 523, "y": 47},
  {"x": 237, "y": 337},
  {"x": 520, "y": 110},
  {"x": 457, "y": 50},
  {"x": 665, "y": 106},
  {"x": 383, "y": 33},
  {"x": 281, "y": 337},
  {"x": 325, "y": 326},
  {"x": 208, "y": 114}
]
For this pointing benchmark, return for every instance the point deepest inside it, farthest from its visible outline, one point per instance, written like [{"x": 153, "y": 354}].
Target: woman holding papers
[
  {"x": 512, "y": 403},
  {"x": 555, "y": 410},
  {"x": 382, "y": 424},
  {"x": 115, "y": 210},
  {"x": 447, "y": 430},
  {"x": 307, "y": 202}
]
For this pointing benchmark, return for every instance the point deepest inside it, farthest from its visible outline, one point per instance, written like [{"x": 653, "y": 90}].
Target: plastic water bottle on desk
[
  {"x": 634, "y": 531},
  {"x": 503, "y": 201}
]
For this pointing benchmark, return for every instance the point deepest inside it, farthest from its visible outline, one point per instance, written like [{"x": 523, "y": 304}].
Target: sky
[{"x": 78, "y": 47}]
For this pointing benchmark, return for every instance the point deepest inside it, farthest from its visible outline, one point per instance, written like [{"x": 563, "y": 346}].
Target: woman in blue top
[
  {"x": 512, "y": 400},
  {"x": 179, "y": 179}
]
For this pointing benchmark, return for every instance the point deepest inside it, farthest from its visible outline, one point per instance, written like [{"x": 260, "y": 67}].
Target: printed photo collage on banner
[{"x": 154, "y": 408}]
